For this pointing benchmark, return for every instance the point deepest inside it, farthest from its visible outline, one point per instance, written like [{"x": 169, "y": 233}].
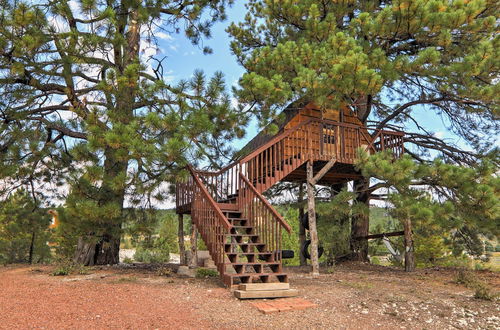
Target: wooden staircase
[
  {"x": 248, "y": 259},
  {"x": 240, "y": 228}
]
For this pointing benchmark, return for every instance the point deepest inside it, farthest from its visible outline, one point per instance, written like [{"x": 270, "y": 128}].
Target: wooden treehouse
[{"x": 241, "y": 229}]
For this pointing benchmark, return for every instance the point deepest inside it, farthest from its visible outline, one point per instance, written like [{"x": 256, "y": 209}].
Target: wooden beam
[
  {"x": 180, "y": 236},
  {"x": 394, "y": 233},
  {"x": 263, "y": 286},
  {"x": 311, "y": 210},
  {"x": 324, "y": 170},
  {"x": 302, "y": 230},
  {"x": 265, "y": 294},
  {"x": 193, "y": 263}
]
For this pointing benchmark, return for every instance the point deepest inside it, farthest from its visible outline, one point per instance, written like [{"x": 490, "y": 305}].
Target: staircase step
[
  {"x": 240, "y": 294},
  {"x": 263, "y": 286},
  {"x": 228, "y": 206},
  {"x": 250, "y": 253},
  {"x": 244, "y": 243},
  {"x": 252, "y": 264},
  {"x": 256, "y": 275},
  {"x": 242, "y": 235}
]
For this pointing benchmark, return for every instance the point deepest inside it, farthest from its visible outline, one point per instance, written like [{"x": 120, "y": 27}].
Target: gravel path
[{"x": 350, "y": 297}]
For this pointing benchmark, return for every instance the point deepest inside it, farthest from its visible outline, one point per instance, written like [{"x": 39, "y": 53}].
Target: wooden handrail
[
  {"x": 204, "y": 190},
  {"x": 275, "y": 139},
  {"x": 282, "y": 222}
]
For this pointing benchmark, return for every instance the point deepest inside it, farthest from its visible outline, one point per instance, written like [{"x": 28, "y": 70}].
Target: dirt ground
[{"x": 350, "y": 296}]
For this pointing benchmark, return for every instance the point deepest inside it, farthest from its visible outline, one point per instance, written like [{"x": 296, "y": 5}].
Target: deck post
[
  {"x": 311, "y": 209},
  {"x": 361, "y": 223},
  {"x": 302, "y": 230},
  {"x": 193, "y": 262},
  {"x": 180, "y": 236}
]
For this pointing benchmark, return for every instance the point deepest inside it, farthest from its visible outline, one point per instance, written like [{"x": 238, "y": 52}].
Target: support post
[
  {"x": 409, "y": 248},
  {"x": 360, "y": 224},
  {"x": 180, "y": 236},
  {"x": 311, "y": 209},
  {"x": 302, "y": 230},
  {"x": 193, "y": 263}
]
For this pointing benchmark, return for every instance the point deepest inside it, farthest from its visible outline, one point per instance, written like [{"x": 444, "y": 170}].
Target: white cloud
[
  {"x": 234, "y": 102},
  {"x": 74, "y": 6},
  {"x": 439, "y": 134},
  {"x": 163, "y": 36}
]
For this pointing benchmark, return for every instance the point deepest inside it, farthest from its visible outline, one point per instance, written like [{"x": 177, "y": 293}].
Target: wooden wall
[{"x": 347, "y": 140}]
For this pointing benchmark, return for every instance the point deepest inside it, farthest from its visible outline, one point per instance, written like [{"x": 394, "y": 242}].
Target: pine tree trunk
[
  {"x": 180, "y": 236},
  {"x": 99, "y": 250},
  {"x": 361, "y": 223},
  {"x": 32, "y": 248},
  {"x": 311, "y": 210},
  {"x": 302, "y": 230},
  {"x": 409, "y": 248}
]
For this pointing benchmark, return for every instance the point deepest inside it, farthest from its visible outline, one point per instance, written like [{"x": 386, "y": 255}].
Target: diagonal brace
[{"x": 323, "y": 171}]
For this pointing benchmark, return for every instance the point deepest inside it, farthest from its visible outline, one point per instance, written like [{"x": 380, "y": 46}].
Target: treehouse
[{"x": 241, "y": 229}]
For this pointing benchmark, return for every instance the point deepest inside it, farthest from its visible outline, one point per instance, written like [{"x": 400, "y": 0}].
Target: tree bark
[
  {"x": 409, "y": 248},
  {"x": 302, "y": 230},
  {"x": 32, "y": 247},
  {"x": 99, "y": 250},
  {"x": 360, "y": 224},
  {"x": 193, "y": 262},
  {"x": 180, "y": 235},
  {"x": 311, "y": 209}
]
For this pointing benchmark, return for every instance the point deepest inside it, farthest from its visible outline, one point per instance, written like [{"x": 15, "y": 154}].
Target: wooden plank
[
  {"x": 228, "y": 206},
  {"x": 264, "y": 286},
  {"x": 265, "y": 294}
]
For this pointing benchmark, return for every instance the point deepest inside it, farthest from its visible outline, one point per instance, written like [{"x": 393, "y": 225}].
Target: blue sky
[{"x": 183, "y": 58}]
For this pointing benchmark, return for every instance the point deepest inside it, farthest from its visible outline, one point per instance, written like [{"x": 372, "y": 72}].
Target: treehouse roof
[{"x": 283, "y": 118}]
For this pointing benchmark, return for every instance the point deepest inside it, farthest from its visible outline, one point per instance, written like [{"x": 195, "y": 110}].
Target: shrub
[
  {"x": 67, "y": 267},
  {"x": 481, "y": 290},
  {"x": 164, "y": 271},
  {"x": 375, "y": 261},
  {"x": 128, "y": 260},
  {"x": 154, "y": 254},
  {"x": 206, "y": 273},
  {"x": 484, "y": 292}
]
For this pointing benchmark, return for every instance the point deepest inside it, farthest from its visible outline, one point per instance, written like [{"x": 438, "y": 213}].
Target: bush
[
  {"x": 67, "y": 267},
  {"x": 128, "y": 260},
  {"x": 481, "y": 290},
  {"x": 155, "y": 254},
  {"x": 206, "y": 273},
  {"x": 375, "y": 261}
]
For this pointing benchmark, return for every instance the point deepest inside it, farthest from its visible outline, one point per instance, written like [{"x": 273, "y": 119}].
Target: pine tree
[
  {"x": 437, "y": 195},
  {"x": 23, "y": 229},
  {"x": 81, "y": 105},
  {"x": 383, "y": 59}
]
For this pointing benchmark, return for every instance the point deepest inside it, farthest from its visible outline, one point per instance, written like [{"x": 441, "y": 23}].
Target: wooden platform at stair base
[{"x": 264, "y": 290}]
